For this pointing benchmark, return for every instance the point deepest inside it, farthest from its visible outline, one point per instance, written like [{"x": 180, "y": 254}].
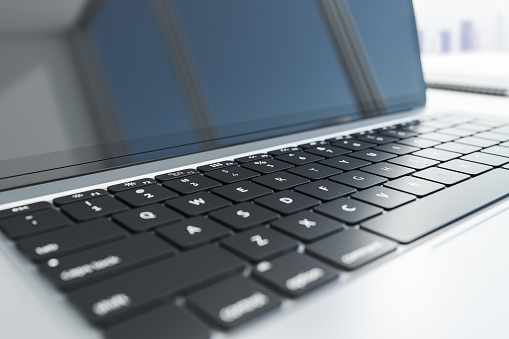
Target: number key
[
  {"x": 191, "y": 184},
  {"x": 146, "y": 195}
]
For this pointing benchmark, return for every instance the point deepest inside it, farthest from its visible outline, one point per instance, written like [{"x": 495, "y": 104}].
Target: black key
[
  {"x": 348, "y": 210},
  {"x": 442, "y": 208},
  {"x": 437, "y": 154},
  {"x": 234, "y": 301},
  {"x": 167, "y": 321},
  {"x": 486, "y": 159},
  {"x": 294, "y": 274},
  {"x": 242, "y": 191},
  {"x": 345, "y": 163},
  {"x": 358, "y": 179},
  {"x": 119, "y": 297},
  {"x": 354, "y": 145},
  {"x": 497, "y": 150},
  {"x": 437, "y": 136},
  {"x": 70, "y": 239},
  {"x": 375, "y": 138},
  {"x": 267, "y": 166},
  {"x": 131, "y": 184},
  {"x": 253, "y": 157},
  {"x": 198, "y": 203},
  {"x": 78, "y": 196},
  {"x": 441, "y": 176},
  {"x": 473, "y": 141},
  {"x": 232, "y": 174},
  {"x": 34, "y": 223},
  {"x": 420, "y": 128},
  {"x": 281, "y": 180},
  {"x": 14, "y": 211},
  {"x": 325, "y": 190},
  {"x": 415, "y": 186},
  {"x": 466, "y": 167},
  {"x": 244, "y": 216},
  {"x": 314, "y": 144},
  {"x": 216, "y": 165},
  {"x": 414, "y": 162},
  {"x": 458, "y": 148},
  {"x": 351, "y": 248},
  {"x": 383, "y": 197},
  {"x": 327, "y": 151},
  {"x": 308, "y": 226},
  {"x": 176, "y": 174},
  {"x": 191, "y": 184},
  {"x": 345, "y": 137},
  {"x": 314, "y": 171},
  {"x": 387, "y": 170},
  {"x": 287, "y": 202},
  {"x": 282, "y": 151},
  {"x": 398, "y": 149},
  {"x": 146, "y": 195},
  {"x": 493, "y": 136},
  {"x": 145, "y": 218},
  {"x": 299, "y": 158},
  {"x": 418, "y": 142},
  {"x": 193, "y": 232},
  {"x": 398, "y": 133},
  {"x": 100, "y": 262},
  {"x": 372, "y": 155},
  {"x": 260, "y": 243}
]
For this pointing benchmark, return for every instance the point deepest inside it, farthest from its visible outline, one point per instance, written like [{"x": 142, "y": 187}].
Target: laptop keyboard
[{"x": 230, "y": 240}]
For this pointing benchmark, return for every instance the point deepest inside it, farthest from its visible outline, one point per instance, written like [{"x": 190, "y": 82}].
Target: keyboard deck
[{"x": 230, "y": 240}]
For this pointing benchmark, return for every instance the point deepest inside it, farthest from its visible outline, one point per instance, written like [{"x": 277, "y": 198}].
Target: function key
[
  {"x": 131, "y": 184},
  {"x": 93, "y": 208},
  {"x": 282, "y": 151},
  {"x": 78, "y": 196},
  {"x": 242, "y": 191},
  {"x": 37, "y": 222},
  {"x": 216, "y": 165},
  {"x": 13, "y": 211},
  {"x": 146, "y": 195},
  {"x": 313, "y": 144},
  {"x": 327, "y": 151},
  {"x": 176, "y": 174},
  {"x": 267, "y": 166},
  {"x": 253, "y": 157},
  {"x": 191, "y": 184},
  {"x": 232, "y": 174}
]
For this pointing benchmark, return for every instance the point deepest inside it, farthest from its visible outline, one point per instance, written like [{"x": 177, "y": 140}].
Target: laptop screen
[{"x": 102, "y": 84}]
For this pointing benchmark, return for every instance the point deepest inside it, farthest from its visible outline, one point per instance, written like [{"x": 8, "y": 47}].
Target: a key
[
  {"x": 497, "y": 150},
  {"x": 418, "y": 142},
  {"x": 242, "y": 191},
  {"x": 458, "y": 148},
  {"x": 383, "y": 197},
  {"x": 466, "y": 167},
  {"x": 397, "y": 149},
  {"x": 387, "y": 170},
  {"x": 478, "y": 142},
  {"x": 351, "y": 248},
  {"x": 437, "y": 154},
  {"x": 70, "y": 239},
  {"x": 280, "y": 180},
  {"x": 353, "y": 144},
  {"x": 299, "y": 158},
  {"x": 349, "y": 211},
  {"x": 345, "y": 163},
  {"x": 314, "y": 171},
  {"x": 486, "y": 159},
  {"x": 358, "y": 179},
  {"x": 193, "y": 232},
  {"x": 441, "y": 176},
  {"x": 146, "y": 195},
  {"x": 33, "y": 223},
  {"x": 438, "y": 136},
  {"x": 176, "y": 174},
  {"x": 23, "y": 209},
  {"x": 191, "y": 184},
  {"x": 131, "y": 184},
  {"x": 198, "y": 203},
  {"x": 148, "y": 217},
  {"x": 372, "y": 155},
  {"x": 287, "y": 202},
  {"x": 100, "y": 262},
  {"x": 234, "y": 301},
  {"x": 286, "y": 150},
  {"x": 267, "y": 166},
  {"x": 253, "y": 157},
  {"x": 78, "y": 196},
  {"x": 260, "y": 243},
  {"x": 325, "y": 190},
  {"x": 415, "y": 186},
  {"x": 294, "y": 274},
  {"x": 216, "y": 165},
  {"x": 308, "y": 226},
  {"x": 119, "y": 297},
  {"x": 244, "y": 216},
  {"x": 327, "y": 151},
  {"x": 232, "y": 174},
  {"x": 413, "y": 162}
]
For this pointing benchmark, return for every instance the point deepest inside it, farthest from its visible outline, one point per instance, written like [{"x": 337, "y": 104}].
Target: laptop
[{"x": 241, "y": 169}]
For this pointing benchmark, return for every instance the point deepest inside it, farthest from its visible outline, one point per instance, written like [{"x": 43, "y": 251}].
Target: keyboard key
[
  {"x": 100, "y": 262},
  {"x": 372, "y": 155},
  {"x": 456, "y": 132},
  {"x": 70, "y": 239},
  {"x": 441, "y": 176},
  {"x": 348, "y": 210},
  {"x": 375, "y": 138},
  {"x": 314, "y": 171},
  {"x": 286, "y": 150},
  {"x": 474, "y": 127},
  {"x": 478, "y": 142},
  {"x": 216, "y": 165},
  {"x": 294, "y": 274},
  {"x": 308, "y": 226},
  {"x": 78, "y": 196},
  {"x": 244, "y": 216},
  {"x": 299, "y": 158},
  {"x": 442, "y": 208},
  {"x": 383, "y": 197},
  {"x": 325, "y": 190},
  {"x": 458, "y": 148},
  {"x": 253, "y": 157},
  {"x": 351, "y": 248},
  {"x": 418, "y": 142},
  {"x": 176, "y": 174},
  {"x": 287, "y": 202},
  {"x": 267, "y": 166},
  {"x": 193, "y": 232},
  {"x": 397, "y": 149},
  {"x": 414, "y": 162},
  {"x": 167, "y": 321},
  {"x": 234, "y": 301},
  {"x": 191, "y": 184},
  {"x": 198, "y": 203},
  {"x": 232, "y": 174},
  {"x": 398, "y": 133},
  {"x": 314, "y": 144},
  {"x": 497, "y": 150},
  {"x": 387, "y": 170},
  {"x": 130, "y": 185},
  {"x": 358, "y": 179},
  {"x": 493, "y": 136},
  {"x": 146, "y": 195},
  {"x": 438, "y": 136},
  {"x": 119, "y": 297},
  {"x": 415, "y": 186},
  {"x": 486, "y": 159},
  {"x": 146, "y": 218},
  {"x": 23, "y": 209},
  {"x": 34, "y": 223},
  {"x": 345, "y": 163},
  {"x": 354, "y": 145},
  {"x": 280, "y": 180},
  {"x": 260, "y": 243},
  {"x": 466, "y": 167},
  {"x": 242, "y": 191},
  {"x": 437, "y": 154},
  {"x": 327, "y": 151}
]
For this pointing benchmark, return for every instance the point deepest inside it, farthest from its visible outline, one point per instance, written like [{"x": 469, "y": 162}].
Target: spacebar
[{"x": 415, "y": 220}]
